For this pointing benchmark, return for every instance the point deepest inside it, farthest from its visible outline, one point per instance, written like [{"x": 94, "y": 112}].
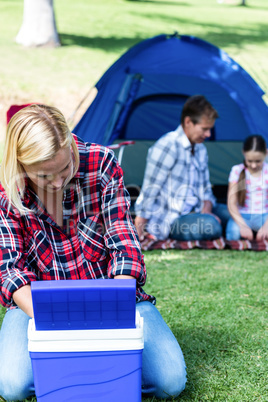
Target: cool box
[
  {"x": 84, "y": 304},
  {"x": 98, "y": 365}
]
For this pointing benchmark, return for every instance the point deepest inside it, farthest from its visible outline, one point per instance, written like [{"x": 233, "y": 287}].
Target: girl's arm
[{"x": 232, "y": 203}]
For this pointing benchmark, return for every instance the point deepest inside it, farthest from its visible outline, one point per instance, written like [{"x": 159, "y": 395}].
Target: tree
[{"x": 39, "y": 25}]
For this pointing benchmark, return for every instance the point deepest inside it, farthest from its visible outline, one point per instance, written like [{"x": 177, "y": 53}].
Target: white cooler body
[{"x": 87, "y": 365}]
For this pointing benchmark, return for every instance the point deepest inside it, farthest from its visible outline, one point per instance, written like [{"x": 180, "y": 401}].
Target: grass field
[
  {"x": 95, "y": 33},
  {"x": 214, "y": 301}
]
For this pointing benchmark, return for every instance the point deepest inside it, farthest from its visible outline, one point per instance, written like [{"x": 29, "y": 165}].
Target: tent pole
[{"x": 92, "y": 93}]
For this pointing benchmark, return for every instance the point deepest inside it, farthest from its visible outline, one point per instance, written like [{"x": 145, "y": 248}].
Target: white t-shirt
[{"x": 256, "y": 190}]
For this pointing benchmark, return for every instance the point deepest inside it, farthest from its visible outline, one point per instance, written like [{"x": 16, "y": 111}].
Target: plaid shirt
[
  {"x": 98, "y": 238},
  {"x": 166, "y": 182}
]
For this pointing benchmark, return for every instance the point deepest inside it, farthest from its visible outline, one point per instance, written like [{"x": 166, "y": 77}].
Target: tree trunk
[
  {"x": 39, "y": 26},
  {"x": 243, "y": 3}
]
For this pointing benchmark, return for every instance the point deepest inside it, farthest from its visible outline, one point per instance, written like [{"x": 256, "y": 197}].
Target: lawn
[
  {"x": 214, "y": 301},
  {"x": 95, "y": 33}
]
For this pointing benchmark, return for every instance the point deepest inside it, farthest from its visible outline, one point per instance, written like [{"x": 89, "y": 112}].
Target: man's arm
[
  {"x": 207, "y": 207},
  {"x": 140, "y": 224}
]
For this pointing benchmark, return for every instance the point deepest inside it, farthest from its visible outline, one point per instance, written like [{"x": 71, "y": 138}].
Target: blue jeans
[
  {"x": 196, "y": 226},
  {"x": 163, "y": 370},
  {"x": 163, "y": 366},
  {"x": 254, "y": 221},
  {"x": 16, "y": 378}
]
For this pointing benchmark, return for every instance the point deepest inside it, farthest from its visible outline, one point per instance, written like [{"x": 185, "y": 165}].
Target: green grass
[
  {"x": 215, "y": 302},
  {"x": 95, "y": 33}
]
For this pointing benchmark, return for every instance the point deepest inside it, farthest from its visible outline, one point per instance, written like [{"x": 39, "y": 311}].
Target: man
[{"x": 176, "y": 200}]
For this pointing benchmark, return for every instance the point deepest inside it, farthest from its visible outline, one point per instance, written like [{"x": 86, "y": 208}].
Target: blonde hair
[{"x": 34, "y": 134}]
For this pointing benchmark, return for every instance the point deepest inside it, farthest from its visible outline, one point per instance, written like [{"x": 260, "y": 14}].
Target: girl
[{"x": 248, "y": 193}]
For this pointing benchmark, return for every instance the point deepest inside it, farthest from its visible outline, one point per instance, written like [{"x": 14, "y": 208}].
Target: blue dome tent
[{"x": 141, "y": 95}]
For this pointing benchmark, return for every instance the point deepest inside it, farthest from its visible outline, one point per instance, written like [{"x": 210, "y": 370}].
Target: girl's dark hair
[{"x": 252, "y": 143}]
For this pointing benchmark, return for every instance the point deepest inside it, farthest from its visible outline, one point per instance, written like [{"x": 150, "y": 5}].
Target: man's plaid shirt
[
  {"x": 166, "y": 182},
  {"x": 98, "y": 238}
]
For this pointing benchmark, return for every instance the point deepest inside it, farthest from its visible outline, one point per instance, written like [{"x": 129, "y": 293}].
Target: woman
[{"x": 64, "y": 214}]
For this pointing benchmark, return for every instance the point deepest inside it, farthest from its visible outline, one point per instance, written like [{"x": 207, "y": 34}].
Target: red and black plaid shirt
[{"x": 98, "y": 238}]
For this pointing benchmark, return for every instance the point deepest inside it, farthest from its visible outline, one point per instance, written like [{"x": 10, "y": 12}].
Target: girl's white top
[{"x": 256, "y": 189}]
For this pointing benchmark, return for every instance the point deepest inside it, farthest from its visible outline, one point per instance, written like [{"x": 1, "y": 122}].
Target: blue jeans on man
[{"x": 197, "y": 226}]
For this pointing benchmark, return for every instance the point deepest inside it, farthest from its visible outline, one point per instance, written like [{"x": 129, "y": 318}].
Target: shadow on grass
[
  {"x": 165, "y": 3},
  {"x": 227, "y": 37},
  {"x": 108, "y": 44},
  {"x": 220, "y": 36},
  {"x": 209, "y": 353}
]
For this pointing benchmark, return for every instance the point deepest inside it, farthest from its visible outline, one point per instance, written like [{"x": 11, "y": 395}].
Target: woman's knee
[
  {"x": 14, "y": 389},
  {"x": 16, "y": 378},
  {"x": 164, "y": 370},
  {"x": 171, "y": 384}
]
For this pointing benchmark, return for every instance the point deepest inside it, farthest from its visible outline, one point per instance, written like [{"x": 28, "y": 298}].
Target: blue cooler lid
[{"x": 84, "y": 304}]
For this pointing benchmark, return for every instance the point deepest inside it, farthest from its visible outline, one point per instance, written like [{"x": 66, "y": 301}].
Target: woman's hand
[{"x": 124, "y": 277}]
